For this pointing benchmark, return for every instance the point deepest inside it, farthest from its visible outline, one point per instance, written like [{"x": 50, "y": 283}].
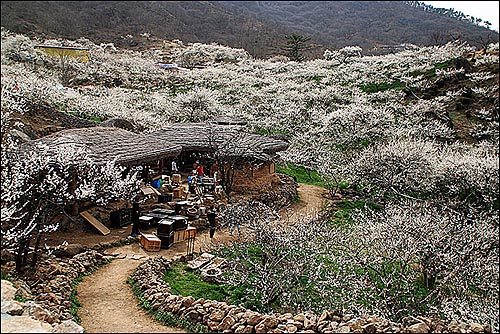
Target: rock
[
  {"x": 270, "y": 322},
  {"x": 187, "y": 301},
  {"x": 310, "y": 323},
  {"x": 369, "y": 328},
  {"x": 299, "y": 317},
  {"x": 254, "y": 319},
  {"x": 68, "y": 326},
  {"x": 40, "y": 313},
  {"x": 217, "y": 315},
  {"x": 356, "y": 325},
  {"x": 227, "y": 323},
  {"x": 25, "y": 324},
  {"x": 248, "y": 329},
  {"x": 419, "y": 328},
  {"x": 12, "y": 307},
  {"x": 213, "y": 325},
  {"x": 347, "y": 317},
  {"x": 343, "y": 329},
  {"x": 8, "y": 290},
  {"x": 476, "y": 328},
  {"x": 291, "y": 329},
  {"x": 70, "y": 250},
  {"x": 240, "y": 329},
  {"x": 261, "y": 328},
  {"x": 24, "y": 290},
  {"x": 192, "y": 315},
  {"x": 324, "y": 316},
  {"x": 285, "y": 316}
]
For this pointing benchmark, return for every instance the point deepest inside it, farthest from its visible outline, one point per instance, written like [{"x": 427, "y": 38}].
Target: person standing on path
[{"x": 211, "y": 216}]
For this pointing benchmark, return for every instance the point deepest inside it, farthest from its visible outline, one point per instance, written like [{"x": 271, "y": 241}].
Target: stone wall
[
  {"x": 48, "y": 295},
  {"x": 219, "y": 316}
]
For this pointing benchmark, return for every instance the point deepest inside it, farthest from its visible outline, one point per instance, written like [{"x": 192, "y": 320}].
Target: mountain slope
[{"x": 257, "y": 26}]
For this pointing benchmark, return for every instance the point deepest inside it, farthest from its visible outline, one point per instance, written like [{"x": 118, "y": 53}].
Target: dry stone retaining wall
[{"x": 219, "y": 316}]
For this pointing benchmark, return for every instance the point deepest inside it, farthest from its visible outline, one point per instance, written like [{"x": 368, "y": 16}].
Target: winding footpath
[{"x": 108, "y": 304}]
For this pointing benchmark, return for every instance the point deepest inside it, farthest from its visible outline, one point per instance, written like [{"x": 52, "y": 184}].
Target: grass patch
[
  {"x": 379, "y": 87},
  {"x": 73, "y": 299},
  {"x": 301, "y": 174},
  {"x": 267, "y": 131},
  {"x": 166, "y": 318},
  {"x": 19, "y": 297},
  {"x": 185, "y": 282}
]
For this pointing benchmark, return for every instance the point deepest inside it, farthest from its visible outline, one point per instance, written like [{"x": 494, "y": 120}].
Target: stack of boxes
[{"x": 165, "y": 232}]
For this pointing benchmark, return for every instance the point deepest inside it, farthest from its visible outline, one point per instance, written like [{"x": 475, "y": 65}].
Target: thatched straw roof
[
  {"x": 228, "y": 120},
  {"x": 106, "y": 143},
  {"x": 227, "y": 140}
]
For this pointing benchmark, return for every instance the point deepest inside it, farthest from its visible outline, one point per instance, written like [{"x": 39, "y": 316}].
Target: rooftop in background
[{"x": 60, "y": 47}]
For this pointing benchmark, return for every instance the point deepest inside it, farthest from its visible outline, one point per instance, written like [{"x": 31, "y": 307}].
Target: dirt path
[
  {"x": 310, "y": 201},
  {"x": 108, "y": 303}
]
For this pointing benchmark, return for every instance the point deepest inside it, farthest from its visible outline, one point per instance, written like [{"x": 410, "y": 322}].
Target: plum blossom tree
[
  {"x": 203, "y": 54},
  {"x": 453, "y": 254},
  {"x": 38, "y": 184}
]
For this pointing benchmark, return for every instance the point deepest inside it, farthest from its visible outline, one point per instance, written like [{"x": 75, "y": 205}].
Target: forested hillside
[{"x": 259, "y": 27}]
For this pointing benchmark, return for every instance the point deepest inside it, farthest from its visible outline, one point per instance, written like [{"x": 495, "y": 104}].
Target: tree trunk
[
  {"x": 41, "y": 223},
  {"x": 35, "y": 251},
  {"x": 21, "y": 256}
]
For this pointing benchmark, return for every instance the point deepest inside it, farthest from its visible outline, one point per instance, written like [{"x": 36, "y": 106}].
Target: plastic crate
[{"x": 150, "y": 242}]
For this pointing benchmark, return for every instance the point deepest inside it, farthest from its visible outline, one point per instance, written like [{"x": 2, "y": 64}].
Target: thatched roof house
[
  {"x": 107, "y": 143},
  {"x": 226, "y": 139}
]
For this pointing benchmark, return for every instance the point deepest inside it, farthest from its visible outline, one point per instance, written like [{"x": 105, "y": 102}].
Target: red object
[{"x": 199, "y": 170}]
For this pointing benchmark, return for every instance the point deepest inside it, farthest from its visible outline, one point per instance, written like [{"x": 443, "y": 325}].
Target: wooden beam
[{"x": 97, "y": 224}]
